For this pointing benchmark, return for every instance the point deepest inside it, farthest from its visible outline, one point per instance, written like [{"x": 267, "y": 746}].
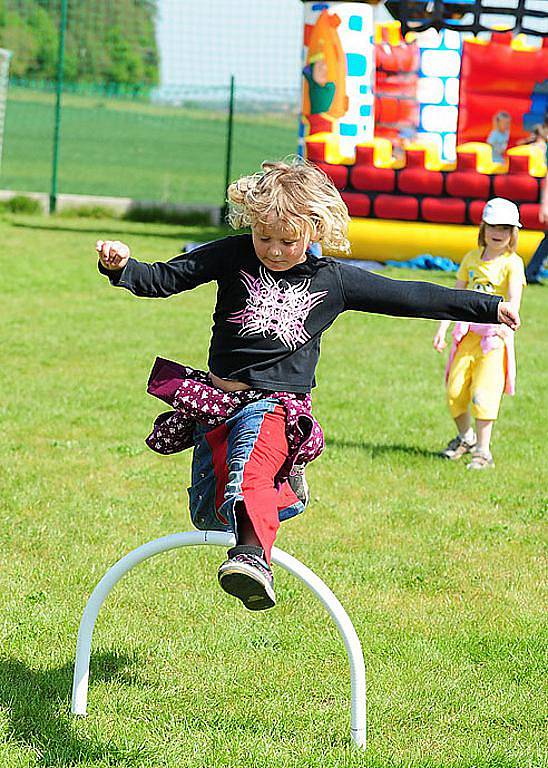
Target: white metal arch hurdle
[{"x": 216, "y": 538}]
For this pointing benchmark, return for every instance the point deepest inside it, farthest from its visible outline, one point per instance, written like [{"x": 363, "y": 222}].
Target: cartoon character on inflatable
[{"x": 324, "y": 93}]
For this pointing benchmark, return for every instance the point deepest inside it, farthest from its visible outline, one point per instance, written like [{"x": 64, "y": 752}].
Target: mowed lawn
[
  {"x": 134, "y": 149},
  {"x": 440, "y": 570}
]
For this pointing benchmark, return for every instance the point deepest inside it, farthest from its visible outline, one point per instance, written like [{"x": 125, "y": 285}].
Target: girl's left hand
[{"x": 508, "y": 315}]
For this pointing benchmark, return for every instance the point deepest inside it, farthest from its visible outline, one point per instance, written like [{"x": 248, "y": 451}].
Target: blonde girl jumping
[{"x": 248, "y": 417}]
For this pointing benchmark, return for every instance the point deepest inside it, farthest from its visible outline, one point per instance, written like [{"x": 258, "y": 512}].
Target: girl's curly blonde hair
[{"x": 296, "y": 194}]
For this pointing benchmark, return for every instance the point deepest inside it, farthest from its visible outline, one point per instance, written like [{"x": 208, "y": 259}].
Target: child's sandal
[{"x": 481, "y": 460}]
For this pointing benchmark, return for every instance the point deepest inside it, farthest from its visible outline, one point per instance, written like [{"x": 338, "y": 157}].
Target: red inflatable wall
[{"x": 497, "y": 77}]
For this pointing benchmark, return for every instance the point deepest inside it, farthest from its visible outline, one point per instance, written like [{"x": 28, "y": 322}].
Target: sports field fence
[{"x": 90, "y": 109}]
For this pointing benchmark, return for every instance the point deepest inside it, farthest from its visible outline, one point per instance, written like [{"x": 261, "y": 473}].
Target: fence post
[
  {"x": 4, "y": 79},
  {"x": 228, "y": 159},
  {"x": 58, "y": 94}
]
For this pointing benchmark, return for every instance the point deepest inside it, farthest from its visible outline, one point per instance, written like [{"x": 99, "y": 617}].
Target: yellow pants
[{"x": 476, "y": 380}]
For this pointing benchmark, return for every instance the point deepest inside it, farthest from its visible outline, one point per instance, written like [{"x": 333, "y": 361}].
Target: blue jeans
[
  {"x": 226, "y": 455},
  {"x": 534, "y": 268}
]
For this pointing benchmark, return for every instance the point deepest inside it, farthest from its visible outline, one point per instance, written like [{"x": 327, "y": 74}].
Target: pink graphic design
[{"x": 277, "y": 308}]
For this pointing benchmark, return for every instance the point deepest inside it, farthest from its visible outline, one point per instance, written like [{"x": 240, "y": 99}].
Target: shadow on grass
[
  {"x": 203, "y": 234},
  {"x": 378, "y": 449},
  {"x": 36, "y": 705}
]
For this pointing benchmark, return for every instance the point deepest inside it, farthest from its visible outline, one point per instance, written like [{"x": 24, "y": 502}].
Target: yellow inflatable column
[{"x": 338, "y": 73}]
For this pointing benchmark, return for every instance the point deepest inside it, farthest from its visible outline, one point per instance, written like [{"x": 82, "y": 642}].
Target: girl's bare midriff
[{"x": 227, "y": 385}]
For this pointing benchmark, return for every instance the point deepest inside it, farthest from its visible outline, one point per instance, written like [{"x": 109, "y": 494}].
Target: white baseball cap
[{"x": 501, "y": 211}]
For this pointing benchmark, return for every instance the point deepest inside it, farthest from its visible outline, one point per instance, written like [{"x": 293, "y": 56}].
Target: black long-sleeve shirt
[{"x": 267, "y": 325}]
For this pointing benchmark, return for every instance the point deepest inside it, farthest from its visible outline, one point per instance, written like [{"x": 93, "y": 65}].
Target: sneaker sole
[{"x": 255, "y": 595}]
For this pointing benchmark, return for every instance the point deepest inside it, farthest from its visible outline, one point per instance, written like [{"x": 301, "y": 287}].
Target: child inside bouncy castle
[
  {"x": 482, "y": 362},
  {"x": 500, "y": 135},
  {"x": 538, "y": 137}
]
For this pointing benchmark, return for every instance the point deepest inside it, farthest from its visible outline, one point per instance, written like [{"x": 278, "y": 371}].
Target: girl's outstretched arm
[
  {"x": 163, "y": 278},
  {"x": 367, "y": 292}
]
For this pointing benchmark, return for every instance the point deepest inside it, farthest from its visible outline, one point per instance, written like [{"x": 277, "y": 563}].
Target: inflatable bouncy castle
[{"x": 420, "y": 126}]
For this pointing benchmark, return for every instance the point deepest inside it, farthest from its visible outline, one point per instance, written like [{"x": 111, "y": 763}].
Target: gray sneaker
[
  {"x": 298, "y": 484},
  {"x": 481, "y": 460},
  {"x": 247, "y": 576},
  {"x": 457, "y": 448}
]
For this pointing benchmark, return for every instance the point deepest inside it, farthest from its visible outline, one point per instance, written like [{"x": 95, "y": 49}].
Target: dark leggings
[{"x": 534, "y": 268}]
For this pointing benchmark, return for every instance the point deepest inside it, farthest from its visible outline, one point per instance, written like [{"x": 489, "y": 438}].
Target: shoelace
[{"x": 255, "y": 562}]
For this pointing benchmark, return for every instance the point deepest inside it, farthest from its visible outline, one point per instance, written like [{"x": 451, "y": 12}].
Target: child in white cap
[{"x": 482, "y": 362}]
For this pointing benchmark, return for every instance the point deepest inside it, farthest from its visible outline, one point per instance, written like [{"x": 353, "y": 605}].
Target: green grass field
[
  {"x": 440, "y": 571},
  {"x": 133, "y": 149}
]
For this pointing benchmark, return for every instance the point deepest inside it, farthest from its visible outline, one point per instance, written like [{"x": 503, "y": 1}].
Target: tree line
[{"x": 109, "y": 43}]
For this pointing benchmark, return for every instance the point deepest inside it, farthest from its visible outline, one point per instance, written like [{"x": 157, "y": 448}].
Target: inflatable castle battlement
[
  {"x": 419, "y": 186},
  {"x": 411, "y": 135}
]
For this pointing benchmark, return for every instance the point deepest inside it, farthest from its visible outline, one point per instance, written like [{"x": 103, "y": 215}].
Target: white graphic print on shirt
[{"x": 276, "y": 308}]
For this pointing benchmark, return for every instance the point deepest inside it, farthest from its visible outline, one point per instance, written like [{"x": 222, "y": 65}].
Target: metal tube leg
[
  {"x": 358, "y": 724},
  {"x": 109, "y": 580}
]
